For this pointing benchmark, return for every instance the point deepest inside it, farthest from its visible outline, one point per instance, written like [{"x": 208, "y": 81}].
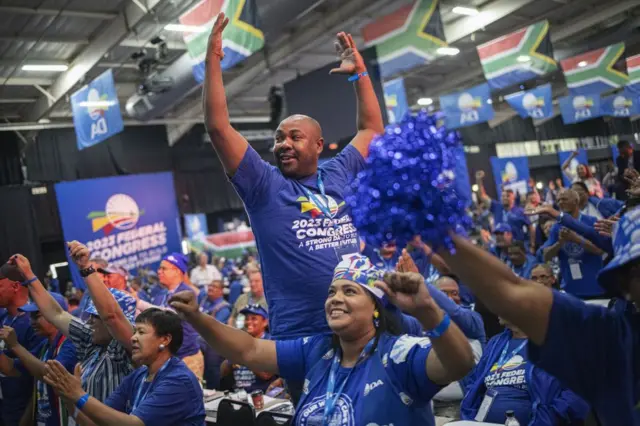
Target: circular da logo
[
  {"x": 465, "y": 102},
  {"x": 510, "y": 172},
  {"x": 122, "y": 211}
]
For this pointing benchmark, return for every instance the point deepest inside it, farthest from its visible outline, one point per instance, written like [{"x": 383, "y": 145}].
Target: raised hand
[
  {"x": 351, "y": 61},
  {"x": 408, "y": 292},
  {"x": 185, "y": 303},
  {"x": 605, "y": 226},
  {"x": 544, "y": 209},
  {"x": 480, "y": 174},
  {"x": 215, "y": 38},
  {"x": 8, "y": 334},
  {"x": 66, "y": 384},
  {"x": 79, "y": 253},
  {"x": 406, "y": 263}
]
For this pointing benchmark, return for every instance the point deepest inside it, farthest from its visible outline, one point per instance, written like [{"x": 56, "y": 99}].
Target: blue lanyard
[
  {"x": 332, "y": 397},
  {"x": 323, "y": 206},
  {"x": 503, "y": 357},
  {"x": 138, "y": 400},
  {"x": 13, "y": 321}
]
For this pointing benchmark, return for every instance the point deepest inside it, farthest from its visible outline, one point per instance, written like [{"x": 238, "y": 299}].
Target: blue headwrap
[{"x": 359, "y": 269}]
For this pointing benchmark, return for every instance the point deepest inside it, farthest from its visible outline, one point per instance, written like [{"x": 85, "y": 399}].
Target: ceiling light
[
  {"x": 44, "y": 67},
  {"x": 539, "y": 185},
  {"x": 425, "y": 101},
  {"x": 333, "y": 145},
  {"x": 523, "y": 58},
  {"x": 469, "y": 11},
  {"x": 475, "y": 187},
  {"x": 583, "y": 64},
  {"x": 449, "y": 51},
  {"x": 179, "y": 28}
]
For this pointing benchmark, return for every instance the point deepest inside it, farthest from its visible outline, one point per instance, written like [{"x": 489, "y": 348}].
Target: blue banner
[
  {"x": 615, "y": 153},
  {"x": 395, "y": 98},
  {"x": 624, "y": 104},
  {"x": 575, "y": 109},
  {"x": 536, "y": 103},
  {"x": 468, "y": 107},
  {"x": 511, "y": 173},
  {"x": 573, "y": 166},
  {"x": 96, "y": 111},
  {"x": 461, "y": 182},
  {"x": 196, "y": 225},
  {"x": 131, "y": 221}
]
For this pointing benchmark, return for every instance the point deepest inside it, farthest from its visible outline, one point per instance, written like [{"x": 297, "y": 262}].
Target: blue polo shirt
[
  {"x": 390, "y": 386},
  {"x": 174, "y": 397},
  {"x": 47, "y": 405},
  {"x": 190, "y": 344},
  {"x": 524, "y": 270},
  {"x": 300, "y": 234},
  {"x": 17, "y": 391},
  {"x": 578, "y": 267},
  {"x": 515, "y": 217},
  {"x": 595, "y": 352},
  {"x": 220, "y": 307}
]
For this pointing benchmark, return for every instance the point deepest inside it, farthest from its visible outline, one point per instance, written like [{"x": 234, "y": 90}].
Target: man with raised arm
[{"x": 297, "y": 210}]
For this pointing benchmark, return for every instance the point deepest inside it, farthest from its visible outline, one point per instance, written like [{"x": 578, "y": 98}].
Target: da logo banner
[
  {"x": 575, "y": 109},
  {"x": 536, "y": 103},
  {"x": 196, "y": 225},
  {"x": 468, "y": 107},
  {"x": 131, "y": 221},
  {"x": 511, "y": 173},
  {"x": 395, "y": 98},
  {"x": 96, "y": 111},
  {"x": 623, "y": 104}
]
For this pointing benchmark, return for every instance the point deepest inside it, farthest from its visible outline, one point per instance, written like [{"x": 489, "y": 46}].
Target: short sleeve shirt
[{"x": 300, "y": 235}]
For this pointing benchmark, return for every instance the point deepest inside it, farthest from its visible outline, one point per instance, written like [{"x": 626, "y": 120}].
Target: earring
[
  {"x": 376, "y": 318},
  {"x": 161, "y": 347}
]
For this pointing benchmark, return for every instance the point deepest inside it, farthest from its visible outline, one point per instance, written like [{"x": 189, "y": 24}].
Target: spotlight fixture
[
  {"x": 425, "y": 101},
  {"x": 468, "y": 11}
]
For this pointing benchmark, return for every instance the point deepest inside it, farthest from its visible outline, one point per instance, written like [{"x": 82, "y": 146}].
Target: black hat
[{"x": 11, "y": 272}]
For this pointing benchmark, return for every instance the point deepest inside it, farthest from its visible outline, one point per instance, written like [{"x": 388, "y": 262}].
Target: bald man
[
  {"x": 297, "y": 210},
  {"x": 580, "y": 260}
]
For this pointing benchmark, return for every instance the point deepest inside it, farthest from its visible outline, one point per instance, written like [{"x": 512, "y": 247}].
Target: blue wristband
[
  {"x": 82, "y": 401},
  {"x": 357, "y": 77},
  {"x": 440, "y": 328},
  {"x": 29, "y": 281}
]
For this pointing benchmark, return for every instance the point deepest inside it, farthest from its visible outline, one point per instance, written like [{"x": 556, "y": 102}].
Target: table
[{"x": 212, "y": 400}]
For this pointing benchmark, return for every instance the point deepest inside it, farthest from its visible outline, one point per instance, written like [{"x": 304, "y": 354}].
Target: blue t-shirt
[
  {"x": 596, "y": 353},
  {"x": 376, "y": 258},
  {"x": 510, "y": 384},
  {"x": 190, "y": 344},
  {"x": 219, "y": 307},
  {"x": 299, "y": 246},
  {"x": 17, "y": 391},
  {"x": 524, "y": 270},
  {"x": 47, "y": 407},
  {"x": 578, "y": 267},
  {"x": 245, "y": 379},
  {"x": 390, "y": 386},
  {"x": 515, "y": 217},
  {"x": 174, "y": 397}
]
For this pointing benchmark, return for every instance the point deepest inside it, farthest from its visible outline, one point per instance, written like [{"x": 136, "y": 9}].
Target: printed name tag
[
  {"x": 486, "y": 405},
  {"x": 576, "y": 272}
]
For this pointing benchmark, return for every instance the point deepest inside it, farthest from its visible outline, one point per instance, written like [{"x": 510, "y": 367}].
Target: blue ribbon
[{"x": 324, "y": 208}]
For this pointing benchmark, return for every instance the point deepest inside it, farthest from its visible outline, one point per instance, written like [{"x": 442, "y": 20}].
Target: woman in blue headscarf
[{"x": 364, "y": 373}]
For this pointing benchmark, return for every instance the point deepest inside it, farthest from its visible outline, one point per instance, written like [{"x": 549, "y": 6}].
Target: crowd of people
[{"x": 357, "y": 335}]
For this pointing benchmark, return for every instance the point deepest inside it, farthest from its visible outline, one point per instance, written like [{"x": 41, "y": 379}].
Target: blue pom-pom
[{"x": 407, "y": 188}]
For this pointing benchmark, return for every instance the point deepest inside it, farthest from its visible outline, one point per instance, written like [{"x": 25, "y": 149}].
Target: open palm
[
  {"x": 215, "y": 38},
  {"x": 350, "y": 59}
]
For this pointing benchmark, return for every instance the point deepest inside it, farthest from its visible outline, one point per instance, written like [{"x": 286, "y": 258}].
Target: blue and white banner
[
  {"x": 511, "y": 173},
  {"x": 461, "y": 182},
  {"x": 96, "y": 111},
  {"x": 131, "y": 221},
  {"x": 468, "y": 107},
  {"x": 196, "y": 226},
  {"x": 575, "y": 109},
  {"x": 573, "y": 166},
  {"x": 395, "y": 99},
  {"x": 536, "y": 103},
  {"x": 624, "y": 104}
]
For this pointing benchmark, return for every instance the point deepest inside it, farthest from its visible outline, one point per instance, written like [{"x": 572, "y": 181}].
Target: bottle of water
[{"x": 511, "y": 419}]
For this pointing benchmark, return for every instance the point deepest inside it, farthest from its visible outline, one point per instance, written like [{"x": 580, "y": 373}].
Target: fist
[
  {"x": 480, "y": 174},
  {"x": 8, "y": 334},
  {"x": 79, "y": 253},
  {"x": 23, "y": 264},
  {"x": 184, "y": 303},
  {"x": 567, "y": 235}
]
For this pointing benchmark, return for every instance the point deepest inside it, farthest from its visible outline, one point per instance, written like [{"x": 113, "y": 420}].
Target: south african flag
[
  {"x": 517, "y": 57},
  {"x": 633, "y": 68},
  {"x": 597, "y": 71}
]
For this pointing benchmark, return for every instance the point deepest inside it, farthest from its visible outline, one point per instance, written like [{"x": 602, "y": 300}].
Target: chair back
[
  {"x": 267, "y": 418},
  {"x": 234, "y": 413}
]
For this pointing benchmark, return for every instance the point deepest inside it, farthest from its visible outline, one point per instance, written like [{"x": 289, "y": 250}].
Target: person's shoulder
[{"x": 397, "y": 348}]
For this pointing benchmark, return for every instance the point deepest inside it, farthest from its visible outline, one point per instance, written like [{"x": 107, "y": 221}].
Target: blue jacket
[
  {"x": 606, "y": 206},
  {"x": 551, "y": 404}
]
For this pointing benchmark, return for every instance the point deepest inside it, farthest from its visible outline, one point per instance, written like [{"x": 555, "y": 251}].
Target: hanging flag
[
  {"x": 624, "y": 104},
  {"x": 536, "y": 103},
  {"x": 96, "y": 111},
  {"x": 241, "y": 39},
  {"x": 579, "y": 108},
  {"x": 466, "y": 108},
  {"x": 395, "y": 98},
  {"x": 517, "y": 57},
  {"x": 596, "y": 71},
  {"x": 633, "y": 68},
  {"x": 511, "y": 173},
  {"x": 406, "y": 38}
]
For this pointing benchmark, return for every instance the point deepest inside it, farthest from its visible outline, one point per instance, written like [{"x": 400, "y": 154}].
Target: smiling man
[{"x": 297, "y": 210}]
